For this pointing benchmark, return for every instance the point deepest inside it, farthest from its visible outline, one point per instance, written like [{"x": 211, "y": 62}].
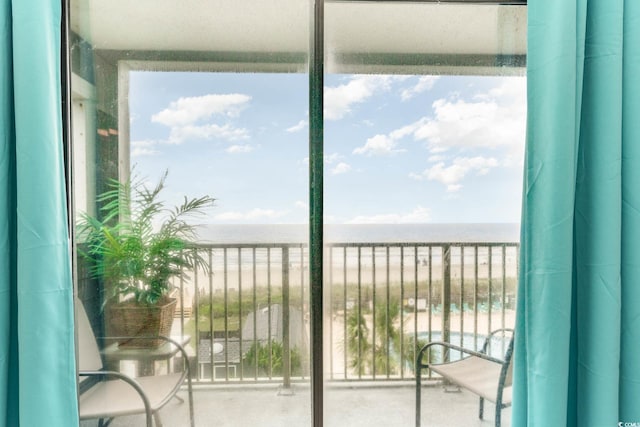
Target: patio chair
[
  {"x": 487, "y": 376},
  {"x": 108, "y": 394}
]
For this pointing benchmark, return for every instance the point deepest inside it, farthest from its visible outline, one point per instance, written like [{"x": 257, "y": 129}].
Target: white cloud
[
  {"x": 379, "y": 145},
  {"x": 296, "y": 128},
  {"x": 424, "y": 83},
  {"x": 251, "y": 215},
  {"x": 340, "y": 168},
  {"x": 494, "y": 120},
  {"x": 339, "y": 100},
  {"x": 385, "y": 145},
  {"x": 453, "y": 174},
  {"x": 491, "y": 120},
  {"x": 301, "y": 205},
  {"x": 139, "y": 152},
  {"x": 514, "y": 88},
  {"x": 418, "y": 215},
  {"x": 462, "y": 123},
  {"x": 239, "y": 149},
  {"x": 144, "y": 148},
  {"x": 189, "y": 110},
  {"x": 332, "y": 158},
  {"x": 181, "y": 133},
  {"x": 328, "y": 158},
  {"x": 144, "y": 143},
  {"x": 406, "y": 130}
]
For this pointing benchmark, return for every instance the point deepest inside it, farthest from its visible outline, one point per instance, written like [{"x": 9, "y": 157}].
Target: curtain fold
[
  {"x": 578, "y": 325},
  {"x": 629, "y": 389},
  {"x": 37, "y": 351}
]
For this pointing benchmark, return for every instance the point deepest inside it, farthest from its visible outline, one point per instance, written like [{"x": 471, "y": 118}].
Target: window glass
[
  {"x": 176, "y": 104},
  {"x": 424, "y": 108},
  {"x": 424, "y": 111}
]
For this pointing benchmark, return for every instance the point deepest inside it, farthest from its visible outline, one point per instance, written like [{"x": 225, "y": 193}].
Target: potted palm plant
[{"x": 136, "y": 248}]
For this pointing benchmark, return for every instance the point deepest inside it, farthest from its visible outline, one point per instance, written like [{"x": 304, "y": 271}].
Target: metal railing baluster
[
  {"x": 401, "y": 312},
  {"x": 490, "y": 274},
  {"x": 226, "y": 316},
  {"x": 504, "y": 286},
  {"x": 331, "y": 314},
  {"x": 387, "y": 320},
  {"x": 462, "y": 311},
  {"x": 270, "y": 343},
  {"x": 359, "y": 311},
  {"x": 376, "y": 340},
  {"x": 344, "y": 316},
  {"x": 240, "y": 340},
  {"x": 373, "y": 314},
  {"x": 446, "y": 295},
  {"x": 255, "y": 314},
  {"x": 211, "y": 316},
  {"x": 286, "y": 330},
  {"x": 475, "y": 295}
]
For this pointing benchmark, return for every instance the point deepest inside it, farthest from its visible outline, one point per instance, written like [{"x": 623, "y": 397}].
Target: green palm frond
[{"x": 138, "y": 245}]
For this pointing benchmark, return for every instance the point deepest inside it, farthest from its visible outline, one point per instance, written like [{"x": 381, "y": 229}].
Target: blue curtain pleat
[
  {"x": 7, "y": 223},
  {"x": 547, "y": 222},
  {"x": 629, "y": 392},
  {"x": 37, "y": 350},
  {"x": 577, "y": 331},
  {"x": 598, "y": 219}
]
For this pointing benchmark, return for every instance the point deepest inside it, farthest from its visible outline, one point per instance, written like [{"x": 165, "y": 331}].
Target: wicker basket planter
[{"x": 129, "y": 319}]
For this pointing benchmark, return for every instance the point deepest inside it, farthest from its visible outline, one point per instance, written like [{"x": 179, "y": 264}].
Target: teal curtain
[
  {"x": 577, "y": 359},
  {"x": 37, "y": 362}
]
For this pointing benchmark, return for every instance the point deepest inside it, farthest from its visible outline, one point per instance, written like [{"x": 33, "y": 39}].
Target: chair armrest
[
  {"x": 132, "y": 382},
  {"x": 185, "y": 360},
  {"x": 457, "y": 348},
  {"x": 183, "y": 352},
  {"x": 492, "y": 334}
]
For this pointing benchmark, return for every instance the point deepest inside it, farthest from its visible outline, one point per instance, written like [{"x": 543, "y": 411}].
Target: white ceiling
[{"x": 268, "y": 26}]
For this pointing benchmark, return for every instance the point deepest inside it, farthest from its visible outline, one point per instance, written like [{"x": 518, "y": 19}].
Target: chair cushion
[
  {"x": 116, "y": 397},
  {"x": 475, "y": 374}
]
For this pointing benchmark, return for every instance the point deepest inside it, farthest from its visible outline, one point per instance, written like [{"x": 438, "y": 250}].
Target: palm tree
[
  {"x": 391, "y": 350},
  {"x": 383, "y": 353}
]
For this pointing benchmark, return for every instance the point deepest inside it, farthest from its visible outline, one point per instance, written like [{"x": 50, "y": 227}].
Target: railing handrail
[
  {"x": 213, "y": 245},
  {"x": 248, "y": 245}
]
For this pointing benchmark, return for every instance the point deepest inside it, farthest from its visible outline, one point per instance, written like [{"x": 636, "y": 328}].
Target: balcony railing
[{"x": 247, "y": 313}]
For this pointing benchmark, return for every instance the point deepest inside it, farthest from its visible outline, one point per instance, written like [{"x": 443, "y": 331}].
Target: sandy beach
[{"x": 247, "y": 276}]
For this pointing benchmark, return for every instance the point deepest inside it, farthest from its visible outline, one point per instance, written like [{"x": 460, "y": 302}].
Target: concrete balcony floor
[{"x": 346, "y": 405}]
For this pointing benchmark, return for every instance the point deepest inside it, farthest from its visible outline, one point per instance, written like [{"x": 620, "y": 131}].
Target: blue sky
[{"x": 398, "y": 149}]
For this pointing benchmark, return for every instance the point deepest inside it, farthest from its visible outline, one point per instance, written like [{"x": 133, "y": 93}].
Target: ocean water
[{"x": 362, "y": 233}]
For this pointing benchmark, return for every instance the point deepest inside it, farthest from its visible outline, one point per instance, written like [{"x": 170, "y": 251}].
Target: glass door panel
[
  {"x": 196, "y": 114},
  {"x": 424, "y": 108}
]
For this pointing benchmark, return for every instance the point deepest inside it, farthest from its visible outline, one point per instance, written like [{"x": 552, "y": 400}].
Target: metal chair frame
[
  {"x": 482, "y": 354},
  {"x": 97, "y": 375}
]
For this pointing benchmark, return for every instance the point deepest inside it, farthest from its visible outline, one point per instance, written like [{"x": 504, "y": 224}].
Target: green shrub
[{"x": 271, "y": 364}]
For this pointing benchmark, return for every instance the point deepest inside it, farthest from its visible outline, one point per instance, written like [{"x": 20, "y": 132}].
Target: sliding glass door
[{"x": 349, "y": 174}]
